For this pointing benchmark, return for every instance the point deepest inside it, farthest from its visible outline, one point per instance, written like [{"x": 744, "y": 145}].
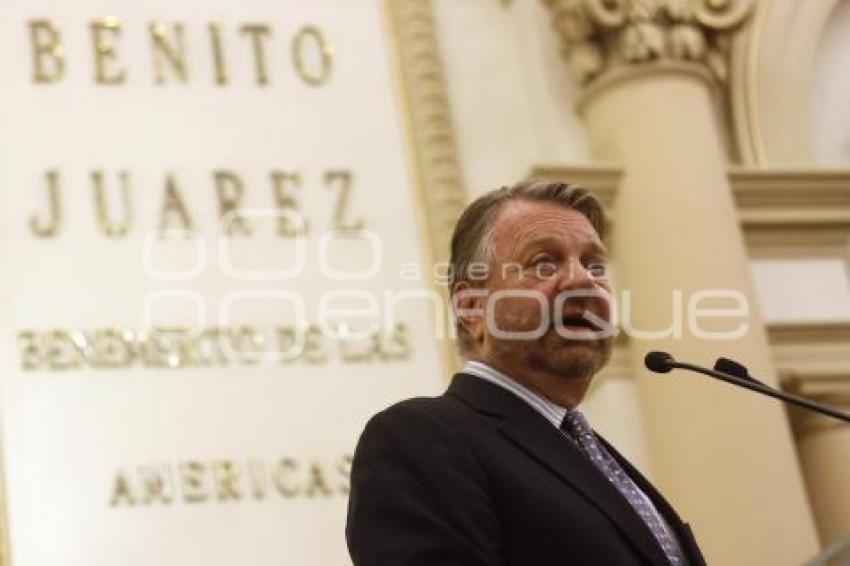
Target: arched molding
[
  {"x": 429, "y": 131},
  {"x": 771, "y": 73}
]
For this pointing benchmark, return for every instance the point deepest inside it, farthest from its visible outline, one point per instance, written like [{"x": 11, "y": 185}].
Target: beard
[
  {"x": 574, "y": 354},
  {"x": 568, "y": 358}
]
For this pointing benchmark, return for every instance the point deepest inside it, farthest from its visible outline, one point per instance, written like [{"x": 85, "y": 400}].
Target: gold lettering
[
  {"x": 105, "y": 52},
  {"x": 166, "y": 347},
  {"x": 258, "y": 32},
  {"x": 284, "y": 467},
  {"x": 351, "y": 349},
  {"x": 319, "y": 72},
  {"x": 109, "y": 228},
  {"x": 165, "y": 52},
  {"x": 172, "y": 204},
  {"x": 217, "y": 54},
  {"x": 192, "y": 482},
  {"x": 46, "y": 44},
  {"x": 29, "y": 348},
  {"x": 247, "y": 343},
  {"x": 226, "y": 475},
  {"x": 156, "y": 483},
  {"x": 230, "y": 188},
  {"x": 54, "y": 205},
  {"x": 317, "y": 485},
  {"x": 152, "y": 349},
  {"x": 210, "y": 348},
  {"x": 122, "y": 491},
  {"x": 344, "y": 471},
  {"x": 344, "y": 179},
  {"x": 305, "y": 342},
  {"x": 286, "y": 203},
  {"x": 315, "y": 348},
  {"x": 394, "y": 345},
  {"x": 291, "y": 342},
  {"x": 188, "y": 347},
  {"x": 65, "y": 349},
  {"x": 110, "y": 348},
  {"x": 256, "y": 473},
  {"x": 177, "y": 347}
]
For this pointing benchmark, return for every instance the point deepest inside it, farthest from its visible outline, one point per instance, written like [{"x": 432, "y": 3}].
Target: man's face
[{"x": 547, "y": 285}]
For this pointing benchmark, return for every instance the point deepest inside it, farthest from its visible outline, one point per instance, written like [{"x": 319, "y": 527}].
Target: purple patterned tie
[{"x": 577, "y": 427}]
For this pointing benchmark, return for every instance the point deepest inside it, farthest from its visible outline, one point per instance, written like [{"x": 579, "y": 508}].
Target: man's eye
[
  {"x": 598, "y": 269},
  {"x": 544, "y": 266},
  {"x": 542, "y": 260}
]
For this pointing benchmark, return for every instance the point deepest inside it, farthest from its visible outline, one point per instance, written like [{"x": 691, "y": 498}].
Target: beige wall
[
  {"x": 512, "y": 101},
  {"x": 803, "y": 289}
]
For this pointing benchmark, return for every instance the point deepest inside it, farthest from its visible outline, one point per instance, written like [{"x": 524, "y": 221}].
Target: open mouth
[{"x": 578, "y": 322}]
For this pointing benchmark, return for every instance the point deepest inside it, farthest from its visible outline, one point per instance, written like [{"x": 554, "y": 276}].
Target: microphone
[
  {"x": 659, "y": 362},
  {"x": 731, "y": 367},
  {"x": 734, "y": 368},
  {"x": 732, "y": 372}
]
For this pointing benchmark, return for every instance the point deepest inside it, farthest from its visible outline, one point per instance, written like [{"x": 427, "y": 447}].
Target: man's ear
[{"x": 468, "y": 305}]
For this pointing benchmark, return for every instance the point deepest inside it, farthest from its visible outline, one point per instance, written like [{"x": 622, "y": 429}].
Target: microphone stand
[{"x": 758, "y": 387}]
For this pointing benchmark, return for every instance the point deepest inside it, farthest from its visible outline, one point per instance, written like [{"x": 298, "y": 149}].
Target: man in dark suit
[{"x": 503, "y": 469}]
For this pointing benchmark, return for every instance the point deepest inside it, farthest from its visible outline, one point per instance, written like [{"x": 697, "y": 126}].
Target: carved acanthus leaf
[
  {"x": 687, "y": 42},
  {"x": 642, "y": 41},
  {"x": 586, "y": 61},
  {"x": 600, "y": 35}
]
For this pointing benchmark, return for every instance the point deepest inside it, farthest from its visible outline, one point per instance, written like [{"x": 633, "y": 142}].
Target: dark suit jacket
[{"x": 477, "y": 477}]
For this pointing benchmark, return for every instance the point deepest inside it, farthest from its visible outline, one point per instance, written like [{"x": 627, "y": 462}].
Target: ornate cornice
[
  {"x": 794, "y": 211},
  {"x": 801, "y": 213},
  {"x": 600, "y": 38},
  {"x": 812, "y": 357},
  {"x": 812, "y": 360},
  {"x": 601, "y": 179}
]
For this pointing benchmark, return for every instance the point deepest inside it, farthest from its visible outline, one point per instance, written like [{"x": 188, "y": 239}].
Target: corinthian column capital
[{"x": 602, "y": 36}]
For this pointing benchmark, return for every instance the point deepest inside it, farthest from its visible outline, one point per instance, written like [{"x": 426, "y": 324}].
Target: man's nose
[{"x": 574, "y": 275}]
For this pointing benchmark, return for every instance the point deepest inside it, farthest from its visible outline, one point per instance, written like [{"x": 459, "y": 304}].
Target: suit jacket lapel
[
  {"x": 531, "y": 432},
  {"x": 682, "y": 530}
]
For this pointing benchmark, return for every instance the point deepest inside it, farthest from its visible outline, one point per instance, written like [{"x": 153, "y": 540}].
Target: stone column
[
  {"x": 725, "y": 457},
  {"x": 824, "y": 447},
  {"x": 614, "y": 408}
]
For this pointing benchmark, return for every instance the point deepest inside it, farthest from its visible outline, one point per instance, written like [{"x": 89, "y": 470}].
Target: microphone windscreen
[
  {"x": 659, "y": 362},
  {"x": 731, "y": 367}
]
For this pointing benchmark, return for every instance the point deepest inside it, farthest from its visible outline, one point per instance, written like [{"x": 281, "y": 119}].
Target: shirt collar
[{"x": 551, "y": 411}]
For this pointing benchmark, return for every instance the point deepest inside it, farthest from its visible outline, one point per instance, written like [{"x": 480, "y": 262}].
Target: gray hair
[{"x": 472, "y": 237}]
